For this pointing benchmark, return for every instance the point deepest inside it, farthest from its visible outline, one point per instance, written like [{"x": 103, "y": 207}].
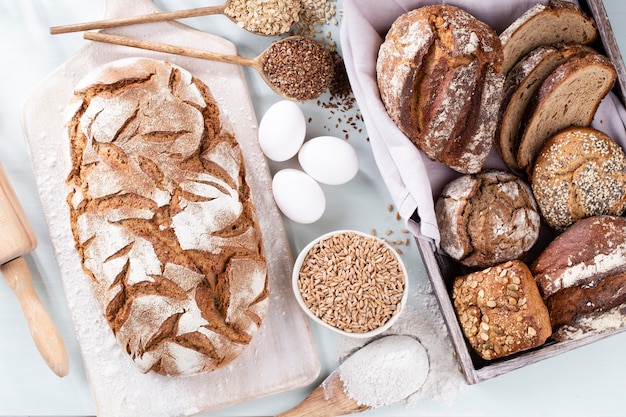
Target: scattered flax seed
[
  {"x": 390, "y": 208},
  {"x": 352, "y": 282},
  {"x": 388, "y": 232}
]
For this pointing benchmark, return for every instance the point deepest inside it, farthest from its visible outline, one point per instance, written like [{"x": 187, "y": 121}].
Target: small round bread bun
[
  {"x": 580, "y": 172},
  {"x": 487, "y": 218}
]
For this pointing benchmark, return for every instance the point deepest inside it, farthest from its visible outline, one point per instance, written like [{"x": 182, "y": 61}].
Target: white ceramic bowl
[{"x": 333, "y": 306}]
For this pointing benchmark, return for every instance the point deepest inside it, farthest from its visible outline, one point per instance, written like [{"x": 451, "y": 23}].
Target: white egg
[
  {"x": 298, "y": 196},
  {"x": 282, "y": 130},
  {"x": 329, "y": 160}
]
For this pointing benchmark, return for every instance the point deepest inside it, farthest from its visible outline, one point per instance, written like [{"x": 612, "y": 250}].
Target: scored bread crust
[
  {"x": 162, "y": 218},
  {"x": 487, "y": 218},
  {"x": 438, "y": 73},
  {"x": 580, "y": 172},
  {"x": 522, "y": 82},
  {"x": 569, "y": 96},
  {"x": 546, "y": 24},
  {"x": 500, "y": 310}
]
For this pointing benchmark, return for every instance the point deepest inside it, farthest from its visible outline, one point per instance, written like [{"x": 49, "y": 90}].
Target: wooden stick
[
  {"x": 42, "y": 329},
  {"x": 169, "y": 49},
  {"x": 131, "y": 20}
]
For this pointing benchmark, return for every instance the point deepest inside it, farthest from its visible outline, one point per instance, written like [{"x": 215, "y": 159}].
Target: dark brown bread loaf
[
  {"x": 583, "y": 254},
  {"x": 162, "y": 217},
  {"x": 570, "y": 96},
  {"x": 580, "y": 172},
  {"x": 546, "y": 24},
  {"x": 487, "y": 218},
  {"x": 521, "y": 84},
  {"x": 589, "y": 309},
  {"x": 438, "y": 73},
  {"x": 582, "y": 277},
  {"x": 500, "y": 310}
]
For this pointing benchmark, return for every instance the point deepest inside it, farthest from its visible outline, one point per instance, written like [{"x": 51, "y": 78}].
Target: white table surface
[{"x": 587, "y": 381}]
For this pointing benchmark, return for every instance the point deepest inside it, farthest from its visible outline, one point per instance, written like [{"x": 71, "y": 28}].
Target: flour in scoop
[{"x": 385, "y": 371}]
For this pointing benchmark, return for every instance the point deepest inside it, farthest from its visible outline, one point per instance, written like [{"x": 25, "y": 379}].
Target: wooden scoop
[
  {"x": 383, "y": 372},
  {"x": 265, "y": 20},
  {"x": 17, "y": 239},
  {"x": 296, "y": 67}
]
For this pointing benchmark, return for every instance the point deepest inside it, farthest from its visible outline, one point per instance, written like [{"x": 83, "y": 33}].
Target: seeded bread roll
[
  {"x": 162, "y": 218},
  {"x": 500, "y": 310},
  {"x": 569, "y": 96},
  {"x": 521, "y": 84},
  {"x": 546, "y": 24},
  {"x": 580, "y": 172},
  {"x": 486, "y": 219},
  {"x": 438, "y": 73}
]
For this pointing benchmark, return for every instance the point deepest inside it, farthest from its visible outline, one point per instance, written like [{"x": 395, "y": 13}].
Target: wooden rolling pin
[{"x": 16, "y": 240}]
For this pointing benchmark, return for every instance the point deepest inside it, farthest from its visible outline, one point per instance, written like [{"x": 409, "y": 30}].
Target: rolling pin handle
[{"x": 42, "y": 328}]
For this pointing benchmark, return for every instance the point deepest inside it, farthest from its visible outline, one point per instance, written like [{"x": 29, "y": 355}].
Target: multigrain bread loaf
[
  {"x": 581, "y": 277},
  {"x": 500, "y": 310},
  {"x": 487, "y": 218},
  {"x": 580, "y": 172},
  {"x": 522, "y": 82},
  {"x": 162, "y": 217},
  {"x": 546, "y": 24},
  {"x": 438, "y": 73},
  {"x": 569, "y": 96}
]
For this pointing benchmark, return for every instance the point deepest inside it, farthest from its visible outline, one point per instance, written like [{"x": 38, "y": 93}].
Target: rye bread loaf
[
  {"x": 582, "y": 255},
  {"x": 521, "y": 84},
  {"x": 582, "y": 277},
  {"x": 486, "y": 219},
  {"x": 580, "y": 172},
  {"x": 589, "y": 309},
  {"x": 569, "y": 96},
  {"x": 500, "y": 310},
  {"x": 438, "y": 73},
  {"x": 558, "y": 21},
  {"x": 162, "y": 218}
]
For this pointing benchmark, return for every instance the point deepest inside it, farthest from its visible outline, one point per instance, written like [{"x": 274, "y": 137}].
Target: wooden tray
[
  {"x": 282, "y": 356},
  {"x": 442, "y": 270}
]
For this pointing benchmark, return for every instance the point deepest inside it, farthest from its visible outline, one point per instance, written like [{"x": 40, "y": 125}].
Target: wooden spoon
[
  {"x": 265, "y": 20},
  {"x": 383, "y": 372},
  {"x": 296, "y": 67}
]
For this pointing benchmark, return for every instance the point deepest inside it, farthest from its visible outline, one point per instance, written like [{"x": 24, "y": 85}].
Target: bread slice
[
  {"x": 546, "y": 24},
  {"x": 520, "y": 86},
  {"x": 569, "y": 96}
]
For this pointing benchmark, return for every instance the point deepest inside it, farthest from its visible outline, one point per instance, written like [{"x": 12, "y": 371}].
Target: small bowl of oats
[{"x": 351, "y": 282}]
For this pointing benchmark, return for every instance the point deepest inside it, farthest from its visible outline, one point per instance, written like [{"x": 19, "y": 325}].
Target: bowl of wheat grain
[{"x": 351, "y": 282}]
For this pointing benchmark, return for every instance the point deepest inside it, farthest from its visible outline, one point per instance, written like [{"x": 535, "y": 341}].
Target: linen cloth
[{"x": 413, "y": 180}]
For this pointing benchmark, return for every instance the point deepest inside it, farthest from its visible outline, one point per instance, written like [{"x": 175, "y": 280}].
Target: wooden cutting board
[{"x": 282, "y": 355}]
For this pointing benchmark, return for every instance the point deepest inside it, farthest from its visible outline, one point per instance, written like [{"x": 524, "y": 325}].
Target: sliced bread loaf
[
  {"x": 521, "y": 84},
  {"x": 546, "y": 24},
  {"x": 569, "y": 96}
]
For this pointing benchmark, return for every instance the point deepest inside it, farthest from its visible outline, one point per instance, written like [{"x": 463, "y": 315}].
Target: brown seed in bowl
[{"x": 352, "y": 282}]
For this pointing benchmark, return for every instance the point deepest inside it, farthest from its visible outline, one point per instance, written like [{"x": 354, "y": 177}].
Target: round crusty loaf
[
  {"x": 546, "y": 24},
  {"x": 568, "y": 97},
  {"x": 582, "y": 277},
  {"x": 500, "y": 310},
  {"x": 521, "y": 84},
  {"x": 487, "y": 218},
  {"x": 438, "y": 73},
  {"x": 580, "y": 172},
  {"x": 162, "y": 218}
]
